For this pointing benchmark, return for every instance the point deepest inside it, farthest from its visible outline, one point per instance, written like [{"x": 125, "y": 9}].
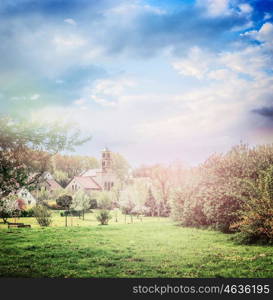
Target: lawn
[{"x": 154, "y": 247}]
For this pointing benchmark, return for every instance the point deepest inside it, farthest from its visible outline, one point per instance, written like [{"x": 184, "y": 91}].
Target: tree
[
  {"x": 139, "y": 211},
  {"x": 65, "y": 202},
  {"x": 212, "y": 192},
  {"x": 43, "y": 194},
  {"x": 104, "y": 200},
  {"x": 256, "y": 215},
  {"x": 162, "y": 178},
  {"x": 121, "y": 168},
  {"x": 81, "y": 201},
  {"x": 65, "y": 167},
  {"x": 8, "y": 206},
  {"x": 26, "y": 149},
  {"x": 150, "y": 203},
  {"x": 127, "y": 203}
]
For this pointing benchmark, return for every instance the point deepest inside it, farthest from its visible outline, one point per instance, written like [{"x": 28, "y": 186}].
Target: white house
[{"x": 24, "y": 194}]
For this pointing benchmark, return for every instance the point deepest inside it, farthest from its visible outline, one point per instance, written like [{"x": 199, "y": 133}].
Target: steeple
[{"x": 106, "y": 160}]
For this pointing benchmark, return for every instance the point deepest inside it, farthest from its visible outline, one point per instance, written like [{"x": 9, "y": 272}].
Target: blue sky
[{"x": 155, "y": 80}]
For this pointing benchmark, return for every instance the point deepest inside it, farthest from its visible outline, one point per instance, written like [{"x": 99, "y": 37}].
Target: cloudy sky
[{"x": 156, "y": 80}]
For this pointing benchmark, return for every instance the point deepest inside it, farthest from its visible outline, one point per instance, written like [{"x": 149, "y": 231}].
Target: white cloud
[
  {"x": 245, "y": 8},
  {"x": 215, "y": 7},
  {"x": 71, "y": 41},
  {"x": 70, "y": 21},
  {"x": 196, "y": 64},
  {"x": 252, "y": 61},
  {"x": 152, "y": 127},
  {"x": 265, "y": 34},
  {"x": 35, "y": 97},
  {"x": 134, "y": 8},
  {"x": 80, "y": 101},
  {"x": 49, "y": 50},
  {"x": 108, "y": 92}
]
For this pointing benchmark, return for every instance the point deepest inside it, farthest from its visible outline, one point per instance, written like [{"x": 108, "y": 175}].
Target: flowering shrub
[{"x": 231, "y": 192}]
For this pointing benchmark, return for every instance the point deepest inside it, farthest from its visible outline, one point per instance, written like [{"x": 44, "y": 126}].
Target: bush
[
  {"x": 64, "y": 201},
  {"x": 104, "y": 217},
  {"x": 211, "y": 194},
  {"x": 75, "y": 213},
  {"x": 42, "y": 215},
  {"x": 256, "y": 215},
  {"x": 52, "y": 206},
  {"x": 27, "y": 213},
  {"x": 93, "y": 204}
]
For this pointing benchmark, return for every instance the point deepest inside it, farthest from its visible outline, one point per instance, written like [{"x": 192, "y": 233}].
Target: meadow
[{"x": 153, "y": 247}]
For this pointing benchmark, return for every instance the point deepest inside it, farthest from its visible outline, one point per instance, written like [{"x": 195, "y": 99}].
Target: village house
[
  {"x": 49, "y": 183},
  {"x": 26, "y": 196},
  {"x": 96, "y": 179}
]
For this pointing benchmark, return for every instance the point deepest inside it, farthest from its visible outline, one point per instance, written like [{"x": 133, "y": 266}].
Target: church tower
[{"x": 106, "y": 161}]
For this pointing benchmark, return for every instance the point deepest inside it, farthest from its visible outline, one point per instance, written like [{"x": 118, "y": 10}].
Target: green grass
[{"x": 155, "y": 247}]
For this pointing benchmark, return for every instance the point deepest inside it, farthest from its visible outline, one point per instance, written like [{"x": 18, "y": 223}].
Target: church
[{"x": 100, "y": 179}]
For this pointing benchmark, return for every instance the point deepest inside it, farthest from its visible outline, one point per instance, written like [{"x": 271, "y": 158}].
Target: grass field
[{"x": 152, "y": 248}]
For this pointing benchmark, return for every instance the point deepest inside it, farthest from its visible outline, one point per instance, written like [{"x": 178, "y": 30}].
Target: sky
[{"x": 158, "y": 81}]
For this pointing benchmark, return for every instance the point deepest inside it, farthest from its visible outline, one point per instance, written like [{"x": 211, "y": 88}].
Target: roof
[
  {"x": 87, "y": 182},
  {"x": 91, "y": 172},
  {"x": 53, "y": 184}
]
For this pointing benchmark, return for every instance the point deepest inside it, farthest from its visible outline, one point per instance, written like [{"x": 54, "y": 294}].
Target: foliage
[
  {"x": 121, "y": 168},
  {"x": 64, "y": 201},
  {"x": 42, "y": 194},
  {"x": 163, "y": 180},
  {"x": 104, "y": 216},
  {"x": 42, "y": 215},
  {"x": 93, "y": 204},
  {"x": 27, "y": 213},
  {"x": 104, "y": 200},
  {"x": 256, "y": 215},
  {"x": 133, "y": 197},
  {"x": 127, "y": 206},
  {"x": 71, "y": 212},
  {"x": 65, "y": 167},
  {"x": 151, "y": 204},
  {"x": 26, "y": 148},
  {"x": 81, "y": 201},
  {"x": 9, "y": 207},
  {"x": 212, "y": 194}
]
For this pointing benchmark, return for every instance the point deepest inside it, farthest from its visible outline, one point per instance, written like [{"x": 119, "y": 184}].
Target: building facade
[{"x": 100, "y": 179}]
